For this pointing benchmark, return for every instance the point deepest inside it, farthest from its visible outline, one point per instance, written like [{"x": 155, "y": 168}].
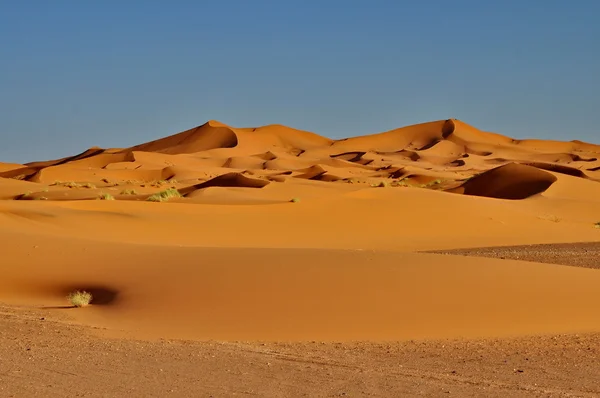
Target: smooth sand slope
[
  {"x": 302, "y": 294},
  {"x": 273, "y": 233}
]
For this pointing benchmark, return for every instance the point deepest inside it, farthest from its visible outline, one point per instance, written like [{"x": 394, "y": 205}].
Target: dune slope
[{"x": 303, "y": 294}]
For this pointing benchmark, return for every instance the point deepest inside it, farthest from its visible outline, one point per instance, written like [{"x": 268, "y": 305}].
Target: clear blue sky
[{"x": 114, "y": 73}]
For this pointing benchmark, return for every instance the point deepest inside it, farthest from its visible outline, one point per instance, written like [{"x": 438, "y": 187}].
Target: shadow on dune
[
  {"x": 511, "y": 181},
  {"x": 235, "y": 180},
  {"x": 101, "y": 295},
  {"x": 557, "y": 169}
]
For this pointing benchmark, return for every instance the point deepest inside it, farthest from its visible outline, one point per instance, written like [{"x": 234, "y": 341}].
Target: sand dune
[
  {"x": 449, "y": 150},
  {"x": 278, "y": 233},
  {"x": 208, "y": 136},
  {"x": 511, "y": 181},
  {"x": 9, "y": 166}
]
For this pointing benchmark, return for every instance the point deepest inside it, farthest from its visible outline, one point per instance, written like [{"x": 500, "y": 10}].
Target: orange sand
[{"x": 286, "y": 235}]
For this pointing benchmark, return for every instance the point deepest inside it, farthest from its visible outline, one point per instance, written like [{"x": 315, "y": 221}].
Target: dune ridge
[{"x": 450, "y": 151}]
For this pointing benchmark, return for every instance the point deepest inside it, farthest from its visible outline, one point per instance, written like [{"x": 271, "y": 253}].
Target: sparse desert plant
[
  {"x": 432, "y": 183},
  {"x": 71, "y": 184},
  {"x": 401, "y": 183},
  {"x": 165, "y": 195},
  {"x": 89, "y": 185},
  {"x": 597, "y": 225},
  {"x": 106, "y": 196},
  {"x": 159, "y": 183},
  {"x": 295, "y": 200},
  {"x": 80, "y": 298},
  {"x": 550, "y": 217},
  {"x": 129, "y": 192}
]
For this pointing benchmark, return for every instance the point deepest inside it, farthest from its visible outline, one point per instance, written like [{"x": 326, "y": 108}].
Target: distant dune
[
  {"x": 275, "y": 233},
  {"x": 440, "y": 155}
]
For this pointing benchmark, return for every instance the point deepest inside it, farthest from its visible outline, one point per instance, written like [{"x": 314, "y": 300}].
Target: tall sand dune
[{"x": 210, "y": 135}]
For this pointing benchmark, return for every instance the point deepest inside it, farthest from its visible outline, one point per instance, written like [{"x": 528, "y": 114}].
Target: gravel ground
[
  {"x": 585, "y": 255},
  {"x": 43, "y": 354}
]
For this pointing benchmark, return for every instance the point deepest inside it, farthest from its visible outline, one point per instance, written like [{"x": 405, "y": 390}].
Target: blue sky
[{"x": 75, "y": 74}]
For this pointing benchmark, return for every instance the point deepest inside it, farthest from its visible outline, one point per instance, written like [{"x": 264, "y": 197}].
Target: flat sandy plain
[{"x": 431, "y": 260}]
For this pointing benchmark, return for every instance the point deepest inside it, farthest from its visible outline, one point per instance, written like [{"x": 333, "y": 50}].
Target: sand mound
[
  {"x": 20, "y": 173},
  {"x": 558, "y": 169},
  {"x": 208, "y": 136},
  {"x": 236, "y": 180},
  {"x": 83, "y": 155},
  {"x": 244, "y": 162},
  {"x": 266, "y": 137},
  {"x": 9, "y": 166},
  {"x": 317, "y": 172},
  {"x": 512, "y": 181},
  {"x": 354, "y": 157}
]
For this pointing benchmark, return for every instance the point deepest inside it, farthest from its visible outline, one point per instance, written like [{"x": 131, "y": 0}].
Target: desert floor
[{"x": 433, "y": 260}]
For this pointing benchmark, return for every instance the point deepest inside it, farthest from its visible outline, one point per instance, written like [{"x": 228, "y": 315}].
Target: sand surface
[{"x": 279, "y": 235}]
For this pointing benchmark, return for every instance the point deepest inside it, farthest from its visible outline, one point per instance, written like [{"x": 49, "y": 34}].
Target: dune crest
[{"x": 210, "y": 135}]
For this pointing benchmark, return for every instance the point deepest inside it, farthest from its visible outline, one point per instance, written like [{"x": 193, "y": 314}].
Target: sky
[{"x": 112, "y": 73}]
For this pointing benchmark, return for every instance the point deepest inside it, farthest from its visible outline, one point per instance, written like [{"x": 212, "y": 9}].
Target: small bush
[
  {"x": 89, "y": 185},
  {"x": 295, "y": 200},
  {"x": 597, "y": 225},
  {"x": 432, "y": 183},
  {"x": 129, "y": 192},
  {"x": 106, "y": 196},
  {"x": 159, "y": 183},
  {"x": 165, "y": 195},
  {"x": 80, "y": 298}
]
